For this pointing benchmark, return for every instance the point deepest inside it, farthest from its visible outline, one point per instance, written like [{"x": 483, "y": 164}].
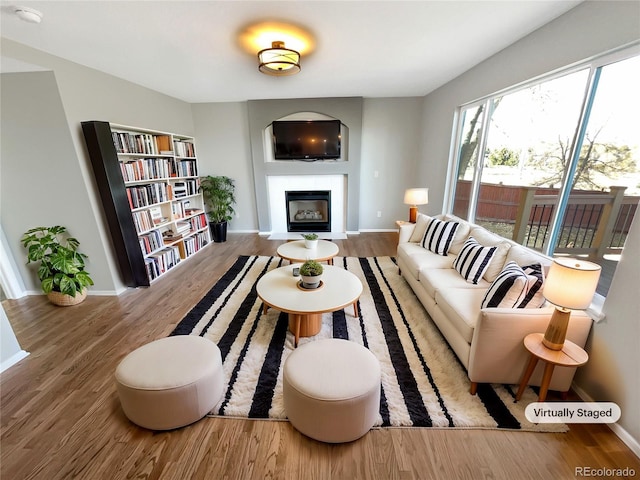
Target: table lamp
[
  {"x": 570, "y": 285},
  {"x": 414, "y": 197}
]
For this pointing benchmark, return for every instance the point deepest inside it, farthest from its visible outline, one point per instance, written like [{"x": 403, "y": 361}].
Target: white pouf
[
  {"x": 331, "y": 390},
  {"x": 171, "y": 382}
]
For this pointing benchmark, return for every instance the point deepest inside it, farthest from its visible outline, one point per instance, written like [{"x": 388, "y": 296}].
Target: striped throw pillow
[
  {"x": 438, "y": 236},
  {"x": 534, "y": 298},
  {"x": 515, "y": 287},
  {"x": 473, "y": 260}
]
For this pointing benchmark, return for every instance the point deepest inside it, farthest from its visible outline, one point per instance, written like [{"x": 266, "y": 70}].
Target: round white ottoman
[
  {"x": 171, "y": 382},
  {"x": 331, "y": 390}
]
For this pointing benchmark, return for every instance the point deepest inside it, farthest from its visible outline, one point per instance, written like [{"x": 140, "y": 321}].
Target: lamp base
[
  {"x": 557, "y": 329},
  {"x": 413, "y": 214}
]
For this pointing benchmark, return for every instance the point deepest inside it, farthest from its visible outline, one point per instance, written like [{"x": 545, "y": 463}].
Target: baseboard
[
  {"x": 620, "y": 432},
  {"x": 245, "y": 231},
  {"x": 378, "y": 230},
  {"x": 12, "y": 360}
]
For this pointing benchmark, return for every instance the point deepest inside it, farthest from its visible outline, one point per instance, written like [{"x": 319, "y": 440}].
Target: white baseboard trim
[
  {"x": 244, "y": 231},
  {"x": 621, "y": 433},
  {"x": 13, "y": 359},
  {"x": 377, "y": 230}
]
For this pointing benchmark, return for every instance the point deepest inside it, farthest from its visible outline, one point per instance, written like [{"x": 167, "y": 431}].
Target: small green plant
[
  {"x": 311, "y": 268},
  {"x": 310, "y": 236},
  {"x": 61, "y": 265}
]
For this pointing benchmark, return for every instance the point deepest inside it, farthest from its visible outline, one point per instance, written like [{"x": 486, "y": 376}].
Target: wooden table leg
[
  {"x": 546, "y": 380},
  {"x": 355, "y": 309},
  {"x": 533, "y": 361}
]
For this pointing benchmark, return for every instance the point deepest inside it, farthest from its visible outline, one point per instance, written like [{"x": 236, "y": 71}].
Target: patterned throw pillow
[
  {"x": 515, "y": 287},
  {"x": 534, "y": 298},
  {"x": 473, "y": 260},
  {"x": 438, "y": 236}
]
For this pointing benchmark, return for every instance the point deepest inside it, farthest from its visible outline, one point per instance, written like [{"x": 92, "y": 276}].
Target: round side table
[{"x": 571, "y": 355}]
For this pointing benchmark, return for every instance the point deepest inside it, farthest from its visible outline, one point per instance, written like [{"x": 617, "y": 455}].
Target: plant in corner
[
  {"x": 61, "y": 271},
  {"x": 311, "y": 273},
  {"x": 219, "y": 197}
]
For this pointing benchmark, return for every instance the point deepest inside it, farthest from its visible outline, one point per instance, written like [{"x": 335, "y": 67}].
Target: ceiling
[{"x": 190, "y": 50}]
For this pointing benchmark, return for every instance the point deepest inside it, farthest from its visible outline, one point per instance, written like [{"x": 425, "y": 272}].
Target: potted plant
[
  {"x": 310, "y": 240},
  {"x": 61, "y": 271},
  {"x": 219, "y": 197},
  {"x": 311, "y": 273}
]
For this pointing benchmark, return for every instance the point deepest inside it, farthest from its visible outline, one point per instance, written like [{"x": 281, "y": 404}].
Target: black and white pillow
[
  {"x": 438, "y": 236},
  {"x": 516, "y": 287},
  {"x": 509, "y": 288},
  {"x": 534, "y": 298},
  {"x": 473, "y": 260}
]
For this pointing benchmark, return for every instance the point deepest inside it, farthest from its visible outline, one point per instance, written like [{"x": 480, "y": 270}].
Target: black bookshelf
[{"x": 111, "y": 186}]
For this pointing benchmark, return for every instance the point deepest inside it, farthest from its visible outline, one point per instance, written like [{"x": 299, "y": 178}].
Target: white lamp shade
[
  {"x": 416, "y": 196},
  {"x": 571, "y": 283}
]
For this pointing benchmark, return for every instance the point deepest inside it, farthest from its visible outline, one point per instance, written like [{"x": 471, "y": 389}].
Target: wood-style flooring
[{"x": 61, "y": 419}]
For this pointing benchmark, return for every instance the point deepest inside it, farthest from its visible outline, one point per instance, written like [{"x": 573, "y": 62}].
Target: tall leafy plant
[
  {"x": 219, "y": 196},
  {"x": 61, "y": 265}
]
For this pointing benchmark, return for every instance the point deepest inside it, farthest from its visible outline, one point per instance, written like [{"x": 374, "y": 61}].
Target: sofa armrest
[
  {"x": 497, "y": 351},
  {"x": 406, "y": 230}
]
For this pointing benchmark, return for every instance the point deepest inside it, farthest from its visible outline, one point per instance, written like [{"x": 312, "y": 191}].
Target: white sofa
[{"x": 488, "y": 341}]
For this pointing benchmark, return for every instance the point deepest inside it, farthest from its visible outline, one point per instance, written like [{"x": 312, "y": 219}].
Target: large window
[{"x": 555, "y": 165}]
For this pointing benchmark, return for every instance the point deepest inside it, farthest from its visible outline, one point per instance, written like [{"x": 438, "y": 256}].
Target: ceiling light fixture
[
  {"x": 278, "y": 60},
  {"x": 28, "y": 14}
]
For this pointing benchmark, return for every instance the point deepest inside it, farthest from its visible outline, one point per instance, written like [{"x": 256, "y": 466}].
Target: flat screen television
[{"x": 306, "y": 139}]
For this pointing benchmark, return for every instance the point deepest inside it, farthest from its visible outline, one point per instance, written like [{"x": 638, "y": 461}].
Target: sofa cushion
[
  {"x": 417, "y": 257},
  {"x": 462, "y": 307},
  {"x": 490, "y": 239},
  {"x": 422, "y": 221},
  {"x": 439, "y": 235},
  {"x": 525, "y": 256},
  {"x": 433, "y": 279},
  {"x": 510, "y": 288},
  {"x": 473, "y": 260}
]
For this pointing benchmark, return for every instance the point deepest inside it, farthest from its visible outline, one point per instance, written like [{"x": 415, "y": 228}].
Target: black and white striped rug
[{"x": 423, "y": 383}]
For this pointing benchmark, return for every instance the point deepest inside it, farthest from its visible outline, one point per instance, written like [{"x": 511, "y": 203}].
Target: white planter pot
[
  {"x": 311, "y": 281},
  {"x": 311, "y": 244}
]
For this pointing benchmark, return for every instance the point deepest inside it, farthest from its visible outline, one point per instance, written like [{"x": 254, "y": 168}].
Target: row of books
[
  {"x": 145, "y": 195},
  {"x": 185, "y": 188},
  {"x": 195, "y": 243},
  {"x": 184, "y": 148},
  {"x": 186, "y": 168},
  {"x": 150, "y": 242},
  {"x": 147, "y": 143},
  {"x": 198, "y": 222},
  {"x": 161, "y": 261},
  {"x": 157, "y": 169}
]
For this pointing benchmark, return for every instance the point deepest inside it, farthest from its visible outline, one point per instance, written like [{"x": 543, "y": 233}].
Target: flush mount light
[
  {"x": 27, "y": 14},
  {"x": 278, "y": 60}
]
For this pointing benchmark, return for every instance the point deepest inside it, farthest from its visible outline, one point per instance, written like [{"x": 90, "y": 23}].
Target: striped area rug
[{"x": 423, "y": 383}]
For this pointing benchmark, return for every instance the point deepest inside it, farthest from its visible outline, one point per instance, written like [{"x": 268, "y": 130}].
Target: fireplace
[{"x": 308, "y": 211}]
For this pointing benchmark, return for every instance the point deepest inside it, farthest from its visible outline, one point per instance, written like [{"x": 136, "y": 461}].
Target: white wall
[
  {"x": 590, "y": 29},
  {"x": 224, "y": 148},
  {"x": 390, "y": 129},
  {"x": 10, "y": 351}
]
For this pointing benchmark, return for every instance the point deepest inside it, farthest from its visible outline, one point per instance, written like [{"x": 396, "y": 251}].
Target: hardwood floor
[{"x": 60, "y": 415}]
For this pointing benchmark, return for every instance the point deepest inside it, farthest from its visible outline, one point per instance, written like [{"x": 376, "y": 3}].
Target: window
[{"x": 554, "y": 165}]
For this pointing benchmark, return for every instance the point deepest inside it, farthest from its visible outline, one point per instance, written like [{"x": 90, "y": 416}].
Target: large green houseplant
[
  {"x": 219, "y": 197},
  {"x": 61, "y": 271}
]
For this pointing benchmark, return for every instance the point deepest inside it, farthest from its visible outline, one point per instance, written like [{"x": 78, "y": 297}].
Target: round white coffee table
[
  {"x": 296, "y": 252},
  {"x": 279, "y": 289}
]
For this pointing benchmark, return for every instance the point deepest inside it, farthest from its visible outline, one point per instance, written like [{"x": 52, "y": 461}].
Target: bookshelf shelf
[{"x": 149, "y": 186}]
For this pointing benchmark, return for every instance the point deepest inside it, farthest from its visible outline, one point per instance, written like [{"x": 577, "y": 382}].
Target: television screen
[{"x": 306, "y": 139}]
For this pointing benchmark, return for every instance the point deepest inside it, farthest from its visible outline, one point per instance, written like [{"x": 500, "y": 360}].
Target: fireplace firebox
[{"x": 308, "y": 211}]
